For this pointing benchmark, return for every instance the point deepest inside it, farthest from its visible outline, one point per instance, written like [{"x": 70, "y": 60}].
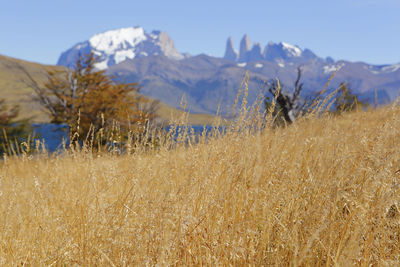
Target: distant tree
[
  {"x": 287, "y": 106},
  {"x": 88, "y": 100},
  {"x": 346, "y": 100},
  {"x": 13, "y": 131}
]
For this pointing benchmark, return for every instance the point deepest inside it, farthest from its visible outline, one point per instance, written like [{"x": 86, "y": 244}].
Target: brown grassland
[{"x": 321, "y": 192}]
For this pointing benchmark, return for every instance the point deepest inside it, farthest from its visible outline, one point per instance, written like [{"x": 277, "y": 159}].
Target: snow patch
[
  {"x": 154, "y": 36},
  {"x": 123, "y": 55},
  {"x": 97, "y": 53},
  {"x": 331, "y": 68},
  {"x": 372, "y": 69},
  {"x": 101, "y": 65},
  {"x": 293, "y": 50},
  {"x": 80, "y": 46},
  {"x": 391, "y": 68},
  {"x": 114, "y": 40}
]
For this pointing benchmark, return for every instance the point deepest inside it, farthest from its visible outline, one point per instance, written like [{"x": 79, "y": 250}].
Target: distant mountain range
[{"x": 132, "y": 55}]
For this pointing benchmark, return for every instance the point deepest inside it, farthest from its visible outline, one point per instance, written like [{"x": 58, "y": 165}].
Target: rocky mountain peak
[
  {"x": 273, "y": 52},
  {"x": 230, "y": 52},
  {"x": 244, "y": 48},
  {"x": 255, "y": 53},
  {"x": 115, "y": 46},
  {"x": 167, "y": 46},
  {"x": 284, "y": 51}
]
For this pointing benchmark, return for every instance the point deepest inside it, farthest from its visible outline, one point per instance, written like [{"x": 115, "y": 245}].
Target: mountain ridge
[{"x": 207, "y": 81}]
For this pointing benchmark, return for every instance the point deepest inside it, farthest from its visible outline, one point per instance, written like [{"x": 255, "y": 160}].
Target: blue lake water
[{"x": 54, "y": 135}]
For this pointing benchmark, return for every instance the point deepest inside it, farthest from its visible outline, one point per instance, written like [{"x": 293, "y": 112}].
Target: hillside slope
[
  {"x": 14, "y": 89},
  {"x": 13, "y": 86}
]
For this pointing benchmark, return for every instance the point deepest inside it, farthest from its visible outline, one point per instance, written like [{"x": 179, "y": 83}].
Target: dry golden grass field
[{"x": 321, "y": 192}]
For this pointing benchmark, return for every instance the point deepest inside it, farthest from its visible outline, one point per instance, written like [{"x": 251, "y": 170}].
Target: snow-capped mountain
[
  {"x": 285, "y": 55},
  {"x": 115, "y": 46}
]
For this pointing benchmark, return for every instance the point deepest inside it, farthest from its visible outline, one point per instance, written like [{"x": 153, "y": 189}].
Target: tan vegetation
[
  {"x": 322, "y": 191},
  {"x": 15, "y": 91},
  {"x": 12, "y": 131}
]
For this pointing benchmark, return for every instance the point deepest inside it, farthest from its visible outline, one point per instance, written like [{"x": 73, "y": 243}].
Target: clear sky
[{"x": 356, "y": 30}]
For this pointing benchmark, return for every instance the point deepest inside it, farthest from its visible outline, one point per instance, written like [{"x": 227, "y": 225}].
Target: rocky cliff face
[
  {"x": 230, "y": 52},
  {"x": 274, "y": 52},
  {"x": 255, "y": 53},
  {"x": 244, "y": 48}
]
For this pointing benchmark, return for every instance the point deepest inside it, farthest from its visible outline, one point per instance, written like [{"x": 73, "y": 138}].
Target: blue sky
[{"x": 356, "y": 30}]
